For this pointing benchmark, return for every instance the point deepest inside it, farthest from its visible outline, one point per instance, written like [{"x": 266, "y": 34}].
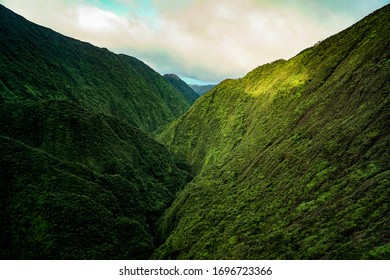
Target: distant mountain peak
[
  {"x": 202, "y": 89},
  {"x": 171, "y": 76},
  {"x": 188, "y": 93}
]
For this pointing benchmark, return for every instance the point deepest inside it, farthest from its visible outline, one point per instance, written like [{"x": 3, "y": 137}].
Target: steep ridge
[
  {"x": 37, "y": 63},
  {"x": 292, "y": 159},
  {"x": 80, "y": 178},
  {"x": 182, "y": 87}
]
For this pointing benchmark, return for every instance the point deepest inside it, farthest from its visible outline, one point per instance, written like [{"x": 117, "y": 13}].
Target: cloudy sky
[{"x": 200, "y": 40}]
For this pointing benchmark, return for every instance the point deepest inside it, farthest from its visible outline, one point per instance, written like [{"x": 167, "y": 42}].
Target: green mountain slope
[
  {"x": 292, "y": 159},
  {"x": 79, "y": 176},
  {"x": 182, "y": 87},
  {"x": 79, "y": 185},
  {"x": 37, "y": 63}
]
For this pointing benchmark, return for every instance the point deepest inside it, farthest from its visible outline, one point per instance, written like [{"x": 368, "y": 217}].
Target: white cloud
[
  {"x": 207, "y": 40},
  {"x": 94, "y": 20}
]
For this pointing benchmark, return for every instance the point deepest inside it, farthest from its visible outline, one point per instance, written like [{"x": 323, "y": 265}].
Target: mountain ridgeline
[
  {"x": 37, "y": 63},
  {"x": 189, "y": 94},
  {"x": 80, "y": 178},
  {"x": 292, "y": 159},
  {"x": 289, "y": 162},
  {"x": 202, "y": 89}
]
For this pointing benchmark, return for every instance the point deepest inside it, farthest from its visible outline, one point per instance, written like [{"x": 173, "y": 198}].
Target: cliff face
[{"x": 292, "y": 159}]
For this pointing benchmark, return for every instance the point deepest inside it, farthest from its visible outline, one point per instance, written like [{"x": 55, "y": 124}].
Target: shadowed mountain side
[
  {"x": 80, "y": 185},
  {"x": 37, "y": 63},
  {"x": 292, "y": 159},
  {"x": 181, "y": 86}
]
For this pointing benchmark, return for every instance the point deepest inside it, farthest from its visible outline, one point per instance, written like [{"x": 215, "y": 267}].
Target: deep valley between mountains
[{"x": 101, "y": 157}]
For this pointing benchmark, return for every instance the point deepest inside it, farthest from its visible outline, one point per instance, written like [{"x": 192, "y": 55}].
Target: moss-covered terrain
[
  {"x": 37, "y": 63},
  {"x": 289, "y": 162},
  {"x": 80, "y": 185},
  {"x": 79, "y": 176},
  {"x": 292, "y": 159}
]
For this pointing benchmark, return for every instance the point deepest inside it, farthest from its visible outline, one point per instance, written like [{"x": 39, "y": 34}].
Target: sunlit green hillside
[{"x": 292, "y": 159}]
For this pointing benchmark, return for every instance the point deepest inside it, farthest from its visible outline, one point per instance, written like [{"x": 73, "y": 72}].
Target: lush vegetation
[
  {"x": 189, "y": 94},
  {"x": 79, "y": 178},
  {"x": 37, "y": 63},
  {"x": 292, "y": 160},
  {"x": 76, "y": 184}
]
